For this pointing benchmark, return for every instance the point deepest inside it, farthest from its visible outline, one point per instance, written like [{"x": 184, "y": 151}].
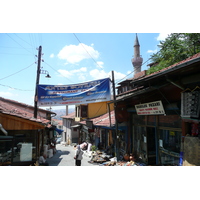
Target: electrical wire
[
  {"x": 14, "y": 88},
  {"x": 16, "y": 72},
  {"x": 100, "y": 66},
  {"x": 58, "y": 72},
  {"x": 18, "y": 43},
  {"x": 86, "y": 50},
  {"x": 132, "y": 72},
  {"x": 24, "y": 40}
]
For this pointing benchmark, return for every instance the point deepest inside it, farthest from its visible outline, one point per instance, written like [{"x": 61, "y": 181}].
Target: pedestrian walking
[{"x": 78, "y": 155}]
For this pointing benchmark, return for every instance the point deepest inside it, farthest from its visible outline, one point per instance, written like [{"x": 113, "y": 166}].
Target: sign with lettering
[
  {"x": 82, "y": 93},
  {"x": 152, "y": 108}
]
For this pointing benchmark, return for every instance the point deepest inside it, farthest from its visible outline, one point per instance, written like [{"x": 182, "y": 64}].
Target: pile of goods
[
  {"x": 99, "y": 157},
  {"x": 103, "y": 159}
]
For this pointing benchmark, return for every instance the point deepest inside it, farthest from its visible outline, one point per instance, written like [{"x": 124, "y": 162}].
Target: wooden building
[
  {"x": 162, "y": 111},
  {"x": 23, "y": 136}
]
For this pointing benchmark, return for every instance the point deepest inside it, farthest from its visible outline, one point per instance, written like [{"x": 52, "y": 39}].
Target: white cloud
[
  {"x": 98, "y": 74},
  {"x": 79, "y": 73},
  {"x": 52, "y": 55},
  {"x": 6, "y": 94},
  {"x": 64, "y": 73},
  {"x": 162, "y": 36},
  {"x": 118, "y": 75},
  {"x": 74, "y": 54},
  {"x": 100, "y": 64},
  {"x": 152, "y": 51},
  {"x": 82, "y": 69}
]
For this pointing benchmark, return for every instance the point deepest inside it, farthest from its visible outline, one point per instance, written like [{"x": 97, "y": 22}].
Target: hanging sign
[
  {"x": 152, "y": 108},
  {"x": 83, "y": 93}
]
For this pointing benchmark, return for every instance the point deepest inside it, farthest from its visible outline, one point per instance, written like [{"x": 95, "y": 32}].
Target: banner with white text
[{"x": 82, "y": 93}]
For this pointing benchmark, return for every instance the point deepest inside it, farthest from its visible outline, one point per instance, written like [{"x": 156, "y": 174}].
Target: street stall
[{"x": 103, "y": 159}]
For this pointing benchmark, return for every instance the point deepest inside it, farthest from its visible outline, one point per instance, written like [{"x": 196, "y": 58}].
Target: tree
[{"x": 176, "y": 47}]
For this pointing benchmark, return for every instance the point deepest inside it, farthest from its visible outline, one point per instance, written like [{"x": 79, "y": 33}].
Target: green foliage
[
  {"x": 94, "y": 148},
  {"x": 176, "y": 47}
]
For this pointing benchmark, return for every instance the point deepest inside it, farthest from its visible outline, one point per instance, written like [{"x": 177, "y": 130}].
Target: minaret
[{"x": 137, "y": 60}]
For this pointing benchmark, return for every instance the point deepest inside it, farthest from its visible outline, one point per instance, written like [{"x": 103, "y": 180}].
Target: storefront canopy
[{"x": 59, "y": 130}]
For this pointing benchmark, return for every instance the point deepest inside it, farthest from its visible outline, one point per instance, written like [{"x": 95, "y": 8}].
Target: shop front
[
  {"x": 19, "y": 148},
  {"x": 156, "y": 137}
]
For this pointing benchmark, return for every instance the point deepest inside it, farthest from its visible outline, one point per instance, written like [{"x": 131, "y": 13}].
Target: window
[
  {"x": 24, "y": 148},
  {"x": 170, "y": 140},
  {"x": 170, "y": 144},
  {"x": 84, "y": 111}
]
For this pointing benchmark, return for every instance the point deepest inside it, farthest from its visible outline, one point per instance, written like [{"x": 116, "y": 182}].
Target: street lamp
[
  {"x": 39, "y": 71},
  {"x": 45, "y": 72}
]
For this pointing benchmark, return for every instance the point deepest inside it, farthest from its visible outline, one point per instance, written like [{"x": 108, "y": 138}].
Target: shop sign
[{"x": 151, "y": 108}]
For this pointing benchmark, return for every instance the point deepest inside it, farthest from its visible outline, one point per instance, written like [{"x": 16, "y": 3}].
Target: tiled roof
[
  {"x": 69, "y": 116},
  {"x": 129, "y": 92},
  {"x": 59, "y": 122},
  {"x": 174, "y": 65},
  {"x": 15, "y": 108},
  {"x": 103, "y": 120}
]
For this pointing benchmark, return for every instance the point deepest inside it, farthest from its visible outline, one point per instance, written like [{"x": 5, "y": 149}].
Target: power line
[
  {"x": 14, "y": 88},
  {"x": 100, "y": 66},
  {"x": 16, "y": 54},
  {"x": 24, "y": 40},
  {"x": 16, "y": 72},
  {"x": 86, "y": 50},
  {"x": 132, "y": 71},
  {"x": 58, "y": 72},
  {"x": 18, "y": 43}
]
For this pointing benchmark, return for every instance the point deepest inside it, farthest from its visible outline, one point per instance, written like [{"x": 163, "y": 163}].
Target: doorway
[{"x": 151, "y": 146}]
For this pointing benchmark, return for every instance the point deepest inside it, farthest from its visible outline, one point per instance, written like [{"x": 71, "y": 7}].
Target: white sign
[
  {"x": 152, "y": 108},
  {"x": 26, "y": 152}
]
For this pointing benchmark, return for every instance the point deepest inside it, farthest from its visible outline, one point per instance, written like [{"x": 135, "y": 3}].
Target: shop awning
[{"x": 59, "y": 130}]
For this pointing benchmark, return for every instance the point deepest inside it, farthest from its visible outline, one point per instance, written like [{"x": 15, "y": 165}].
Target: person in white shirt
[{"x": 78, "y": 155}]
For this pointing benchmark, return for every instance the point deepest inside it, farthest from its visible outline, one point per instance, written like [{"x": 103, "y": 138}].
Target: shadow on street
[{"x": 57, "y": 157}]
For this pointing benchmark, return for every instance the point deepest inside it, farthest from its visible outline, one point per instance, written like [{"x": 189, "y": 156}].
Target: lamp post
[{"x": 39, "y": 71}]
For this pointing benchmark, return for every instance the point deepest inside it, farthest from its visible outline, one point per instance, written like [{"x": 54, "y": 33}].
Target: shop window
[
  {"x": 24, "y": 149},
  {"x": 24, "y": 146},
  {"x": 167, "y": 159},
  {"x": 140, "y": 140},
  {"x": 170, "y": 140},
  {"x": 5, "y": 150},
  {"x": 170, "y": 144}
]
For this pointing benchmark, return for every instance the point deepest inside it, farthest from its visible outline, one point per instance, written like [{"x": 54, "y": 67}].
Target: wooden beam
[{"x": 10, "y": 122}]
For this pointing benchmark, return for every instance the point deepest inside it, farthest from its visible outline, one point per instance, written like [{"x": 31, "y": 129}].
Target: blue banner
[{"x": 82, "y": 93}]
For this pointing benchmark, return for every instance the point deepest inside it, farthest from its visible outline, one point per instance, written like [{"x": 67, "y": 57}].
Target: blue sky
[
  {"x": 69, "y": 58},
  {"x": 104, "y": 30}
]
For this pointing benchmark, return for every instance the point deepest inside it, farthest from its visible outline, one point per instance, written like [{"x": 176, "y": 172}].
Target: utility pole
[
  {"x": 37, "y": 81},
  {"x": 116, "y": 124}
]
